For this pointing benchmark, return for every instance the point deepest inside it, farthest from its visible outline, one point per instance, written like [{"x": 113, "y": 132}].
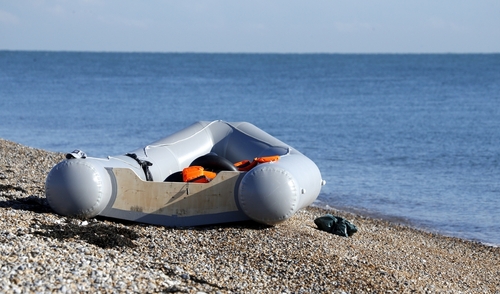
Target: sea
[{"x": 410, "y": 138}]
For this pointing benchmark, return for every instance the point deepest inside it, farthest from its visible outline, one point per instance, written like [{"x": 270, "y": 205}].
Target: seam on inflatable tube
[{"x": 99, "y": 188}]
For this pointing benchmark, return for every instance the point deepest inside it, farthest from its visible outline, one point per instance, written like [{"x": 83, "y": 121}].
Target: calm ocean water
[{"x": 411, "y": 138}]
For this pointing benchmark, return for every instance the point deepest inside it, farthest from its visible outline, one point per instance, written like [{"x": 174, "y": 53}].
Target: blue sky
[{"x": 283, "y": 26}]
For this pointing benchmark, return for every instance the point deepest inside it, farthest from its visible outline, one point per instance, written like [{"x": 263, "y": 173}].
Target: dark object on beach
[{"x": 335, "y": 225}]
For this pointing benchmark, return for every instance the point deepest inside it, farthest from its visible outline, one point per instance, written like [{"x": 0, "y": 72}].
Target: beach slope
[{"x": 41, "y": 251}]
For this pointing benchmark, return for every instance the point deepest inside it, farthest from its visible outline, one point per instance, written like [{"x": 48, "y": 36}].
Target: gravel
[{"x": 41, "y": 251}]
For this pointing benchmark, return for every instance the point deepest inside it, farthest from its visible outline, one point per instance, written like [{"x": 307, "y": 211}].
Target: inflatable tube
[{"x": 146, "y": 185}]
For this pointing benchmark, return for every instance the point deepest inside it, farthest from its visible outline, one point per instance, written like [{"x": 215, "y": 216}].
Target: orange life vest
[
  {"x": 246, "y": 165},
  {"x": 197, "y": 174}
]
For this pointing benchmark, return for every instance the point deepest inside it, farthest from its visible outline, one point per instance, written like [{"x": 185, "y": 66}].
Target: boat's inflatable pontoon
[{"x": 146, "y": 185}]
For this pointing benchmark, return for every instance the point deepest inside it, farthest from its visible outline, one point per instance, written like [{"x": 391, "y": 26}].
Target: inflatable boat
[{"x": 208, "y": 173}]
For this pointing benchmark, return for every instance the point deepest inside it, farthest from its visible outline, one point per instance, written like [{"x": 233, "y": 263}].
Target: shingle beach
[{"x": 41, "y": 251}]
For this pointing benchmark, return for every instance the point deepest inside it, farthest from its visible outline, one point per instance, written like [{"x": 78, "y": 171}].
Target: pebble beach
[{"x": 41, "y": 251}]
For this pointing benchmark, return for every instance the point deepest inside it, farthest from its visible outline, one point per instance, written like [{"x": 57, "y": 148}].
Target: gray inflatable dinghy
[{"x": 149, "y": 185}]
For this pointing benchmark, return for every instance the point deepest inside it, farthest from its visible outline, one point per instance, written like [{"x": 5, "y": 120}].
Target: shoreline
[
  {"x": 399, "y": 221},
  {"x": 43, "y": 251}
]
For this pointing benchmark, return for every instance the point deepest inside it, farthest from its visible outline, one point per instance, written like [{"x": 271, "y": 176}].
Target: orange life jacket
[
  {"x": 246, "y": 165},
  {"x": 197, "y": 174}
]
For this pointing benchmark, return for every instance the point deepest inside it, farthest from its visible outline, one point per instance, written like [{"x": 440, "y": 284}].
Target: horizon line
[{"x": 251, "y": 53}]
